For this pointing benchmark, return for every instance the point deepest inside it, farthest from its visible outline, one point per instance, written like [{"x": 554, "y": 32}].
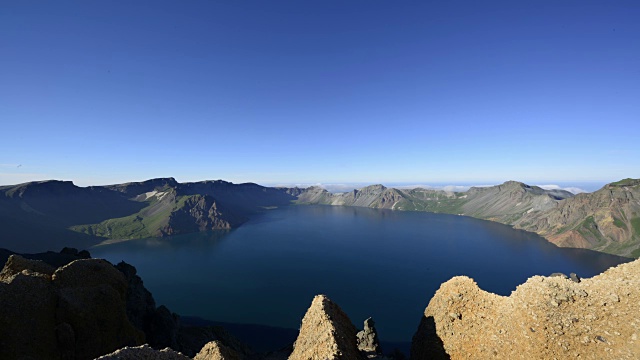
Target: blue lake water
[{"x": 380, "y": 263}]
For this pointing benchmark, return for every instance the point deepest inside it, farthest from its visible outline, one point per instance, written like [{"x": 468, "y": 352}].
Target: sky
[{"x": 287, "y": 92}]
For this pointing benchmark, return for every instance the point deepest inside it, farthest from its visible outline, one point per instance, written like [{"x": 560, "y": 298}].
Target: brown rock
[
  {"x": 16, "y": 264},
  {"x": 75, "y": 312},
  {"x": 27, "y": 316},
  {"x": 544, "y": 318},
  {"x": 326, "y": 333},
  {"x": 143, "y": 352},
  {"x": 91, "y": 299},
  {"x": 215, "y": 350}
]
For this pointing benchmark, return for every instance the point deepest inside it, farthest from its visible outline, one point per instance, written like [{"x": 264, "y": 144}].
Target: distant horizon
[{"x": 337, "y": 187}]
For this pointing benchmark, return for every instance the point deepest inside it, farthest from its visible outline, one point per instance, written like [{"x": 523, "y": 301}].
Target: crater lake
[{"x": 379, "y": 263}]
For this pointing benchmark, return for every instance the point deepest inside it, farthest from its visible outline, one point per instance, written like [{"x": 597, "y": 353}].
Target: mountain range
[
  {"x": 606, "y": 220},
  {"x": 38, "y": 215}
]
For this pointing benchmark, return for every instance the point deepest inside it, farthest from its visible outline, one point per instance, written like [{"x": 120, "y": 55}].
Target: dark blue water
[{"x": 380, "y": 263}]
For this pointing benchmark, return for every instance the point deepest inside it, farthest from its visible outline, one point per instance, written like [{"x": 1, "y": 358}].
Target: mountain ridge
[
  {"x": 84, "y": 216},
  {"x": 606, "y": 220}
]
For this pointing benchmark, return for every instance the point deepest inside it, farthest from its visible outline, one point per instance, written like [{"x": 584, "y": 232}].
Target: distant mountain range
[
  {"x": 606, "y": 220},
  {"x": 38, "y": 215}
]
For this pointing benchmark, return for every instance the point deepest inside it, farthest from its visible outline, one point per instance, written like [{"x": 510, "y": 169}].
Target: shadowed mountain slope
[{"x": 38, "y": 215}]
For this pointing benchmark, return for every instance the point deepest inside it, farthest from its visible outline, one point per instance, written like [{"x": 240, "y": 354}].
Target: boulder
[
  {"x": 326, "y": 334},
  {"x": 92, "y": 300},
  {"x": 27, "y": 314},
  {"x": 75, "y": 312},
  {"x": 16, "y": 264}
]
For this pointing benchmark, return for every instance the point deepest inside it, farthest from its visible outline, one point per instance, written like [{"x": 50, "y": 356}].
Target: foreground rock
[
  {"x": 544, "y": 318},
  {"x": 144, "y": 352},
  {"x": 367, "y": 339},
  {"x": 215, "y": 350},
  {"x": 74, "y": 312},
  {"x": 326, "y": 333}
]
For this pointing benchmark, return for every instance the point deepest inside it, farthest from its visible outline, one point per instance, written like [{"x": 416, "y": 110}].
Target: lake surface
[{"x": 380, "y": 263}]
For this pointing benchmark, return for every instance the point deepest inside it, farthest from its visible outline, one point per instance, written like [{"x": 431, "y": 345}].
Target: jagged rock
[
  {"x": 27, "y": 314},
  {"x": 544, "y": 318},
  {"x": 367, "y": 339},
  {"x": 76, "y": 313},
  {"x": 143, "y": 352},
  {"x": 91, "y": 299},
  {"x": 16, "y": 264},
  {"x": 215, "y": 350},
  {"x": 193, "y": 338},
  {"x": 326, "y": 333}
]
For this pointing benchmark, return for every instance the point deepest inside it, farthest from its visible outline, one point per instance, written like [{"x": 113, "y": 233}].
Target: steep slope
[
  {"x": 508, "y": 202},
  {"x": 373, "y": 196},
  {"x": 606, "y": 220},
  {"x": 166, "y": 214}
]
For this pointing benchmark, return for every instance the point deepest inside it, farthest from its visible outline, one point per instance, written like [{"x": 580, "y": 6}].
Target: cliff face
[
  {"x": 374, "y": 196},
  {"x": 544, "y": 318},
  {"x": 73, "y": 312}
]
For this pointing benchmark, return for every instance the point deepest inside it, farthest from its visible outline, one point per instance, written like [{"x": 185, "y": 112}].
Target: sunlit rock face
[
  {"x": 326, "y": 333},
  {"x": 544, "y": 318}
]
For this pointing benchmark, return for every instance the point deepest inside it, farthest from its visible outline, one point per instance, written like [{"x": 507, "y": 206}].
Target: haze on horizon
[{"x": 290, "y": 92}]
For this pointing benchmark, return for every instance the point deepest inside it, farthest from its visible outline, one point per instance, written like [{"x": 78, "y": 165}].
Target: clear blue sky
[{"x": 320, "y": 91}]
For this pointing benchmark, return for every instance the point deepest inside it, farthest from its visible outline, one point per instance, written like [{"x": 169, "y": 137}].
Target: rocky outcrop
[
  {"x": 544, "y": 318},
  {"x": 367, "y": 339},
  {"x": 143, "y": 352},
  {"x": 74, "y": 312},
  {"x": 326, "y": 333},
  {"x": 215, "y": 350}
]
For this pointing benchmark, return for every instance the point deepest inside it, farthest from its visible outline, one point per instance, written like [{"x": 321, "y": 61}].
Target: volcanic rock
[
  {"x": 544, "y": 318},
  {"x": 326, "y": 333}
]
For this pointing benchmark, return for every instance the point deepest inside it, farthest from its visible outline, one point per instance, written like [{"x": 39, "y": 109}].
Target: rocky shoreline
[{"x": 69, "y": 306}]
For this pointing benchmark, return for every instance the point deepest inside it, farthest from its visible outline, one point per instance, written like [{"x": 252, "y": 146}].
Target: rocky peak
[
  {"x": 326, "y": 333},
  {"x": 367, "y": 339},
  {"x": 215, "y": 350},
  {"x": 544, "y": 318}
]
